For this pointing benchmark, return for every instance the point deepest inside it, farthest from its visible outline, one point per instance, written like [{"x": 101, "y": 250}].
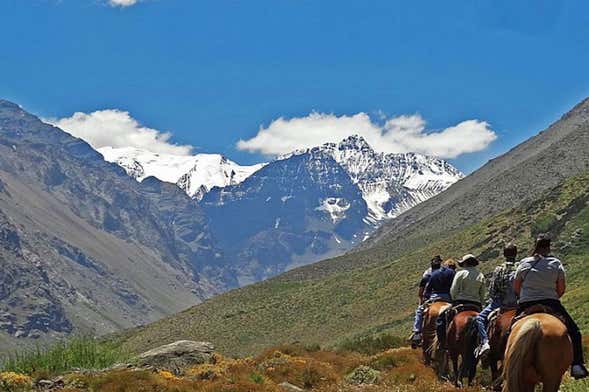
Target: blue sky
[{"x": 212, "y": 72}]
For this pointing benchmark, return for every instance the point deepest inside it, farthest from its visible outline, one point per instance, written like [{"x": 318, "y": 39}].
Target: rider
[
  {"x": 540, "y": 280},
  {"x": 468, "y": 288},
  {"x": 501, "y": 295},
  {"x": 423, "y": 294},
  {"x": 440, "y": 282}
]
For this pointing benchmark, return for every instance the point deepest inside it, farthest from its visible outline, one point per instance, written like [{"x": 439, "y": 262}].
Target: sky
[{"x": 462, "y": 80}]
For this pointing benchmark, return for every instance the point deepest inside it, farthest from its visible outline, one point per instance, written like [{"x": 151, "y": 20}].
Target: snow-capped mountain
[
  {"x": 195, "y": 174},
  {"x": 317, "y": 203},
  {"x": 390, "y": 183}
]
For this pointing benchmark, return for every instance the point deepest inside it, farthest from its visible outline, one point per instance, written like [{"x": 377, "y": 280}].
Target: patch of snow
[
  {"x": 335, "y": 207},
  {"x": 277, "y": 223},
  {"x": 286, "y": 198}
]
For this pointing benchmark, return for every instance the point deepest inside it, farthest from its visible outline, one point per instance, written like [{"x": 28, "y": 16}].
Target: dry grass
[
  {"x": 313, "y": 370},
  {"x": 316, "y": 370}
]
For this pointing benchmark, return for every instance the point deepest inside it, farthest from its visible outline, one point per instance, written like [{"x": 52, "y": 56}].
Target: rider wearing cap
[
  {"x": 424, "y": 294},
  {"x": 468, "y": 288},
  {"x": 540, "y": 280},
  {"x": 501, "y": 295}
]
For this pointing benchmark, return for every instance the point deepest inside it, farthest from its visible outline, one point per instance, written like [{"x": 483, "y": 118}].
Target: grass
[{"x": 80, "y": 352}]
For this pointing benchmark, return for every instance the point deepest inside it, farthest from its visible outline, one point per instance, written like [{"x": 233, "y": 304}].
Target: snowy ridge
[
  {"x": 213, "y": 170},
  {"x": 390, "y": 183},
  {"x": 196, "y": 174}
]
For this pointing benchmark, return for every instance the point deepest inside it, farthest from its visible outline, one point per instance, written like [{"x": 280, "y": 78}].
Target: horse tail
[
  {"x": 520, "y": 354},
  {"x": 471, "y": 335}
]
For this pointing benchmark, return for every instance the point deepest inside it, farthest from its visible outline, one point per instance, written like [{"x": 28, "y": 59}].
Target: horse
[
  {"x": 461, "y": 340},
  {"x": 429, "y": 329},
  {"x": 498, "y": 334},
  {"x": 539, "y": 350}
]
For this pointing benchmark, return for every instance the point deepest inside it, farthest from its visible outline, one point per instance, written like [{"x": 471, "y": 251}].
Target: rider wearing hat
[
  {"x": 424, "y": 294},
  {"x": 501, "y": 295},
  {"x": 468, "y": 288},
  {"x": 540, "y": 280}
]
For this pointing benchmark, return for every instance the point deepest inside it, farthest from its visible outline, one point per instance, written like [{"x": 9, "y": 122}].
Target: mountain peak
[{"x": 355, "y": 142}]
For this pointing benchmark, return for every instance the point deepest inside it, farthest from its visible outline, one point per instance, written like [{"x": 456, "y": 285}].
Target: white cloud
[
  {"x": 399, "y": 134},
  {"x": 116, "y": 128},
  {"x": 122, "y": 3}
]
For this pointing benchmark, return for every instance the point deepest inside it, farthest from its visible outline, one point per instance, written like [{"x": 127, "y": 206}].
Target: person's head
[
  {"x": 542, "y": 247},
  {"x": 436, "y": 263},
  {"x": 450, "y": 263},
  {"x": 468, "y": 260},
  {"x": 510, "y": 251}
]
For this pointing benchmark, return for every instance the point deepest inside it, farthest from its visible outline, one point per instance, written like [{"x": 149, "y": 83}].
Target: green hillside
[{"x": 381, "y": 297}]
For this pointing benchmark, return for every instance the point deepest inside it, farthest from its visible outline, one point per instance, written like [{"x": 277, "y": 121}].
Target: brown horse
[
  {"x": 462, "y": 340},
  {"x": 428, "y": 329},
  {"x": 498, "y": 335},
  {"x": 539, "y": 350}
]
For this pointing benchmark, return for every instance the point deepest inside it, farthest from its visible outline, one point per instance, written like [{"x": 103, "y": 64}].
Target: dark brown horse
[
  {"x": 462, "y": 340},
  {"x": 498, "y": 335},
  {"x": 539, "y": 350},
  {"x": 429, "y": 329}
]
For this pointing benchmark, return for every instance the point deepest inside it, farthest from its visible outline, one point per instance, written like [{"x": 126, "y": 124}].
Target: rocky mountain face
[
  {"x": 83, "y": 247},
  {"x": 390, "y": 183},
  {"x": 291, "y": 212},
  {"x": 317, "y": 203},
  {"x": 195, "y": 174}
]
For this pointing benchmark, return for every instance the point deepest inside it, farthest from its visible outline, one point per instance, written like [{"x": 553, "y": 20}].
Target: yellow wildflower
[{"x": 12, "y": 380}]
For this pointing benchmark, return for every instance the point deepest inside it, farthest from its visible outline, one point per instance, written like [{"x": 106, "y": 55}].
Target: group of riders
[{"x": 538, "y": 280}]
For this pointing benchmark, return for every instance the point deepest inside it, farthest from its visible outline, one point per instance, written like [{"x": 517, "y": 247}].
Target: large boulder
[{"x": 177, "y": 356}]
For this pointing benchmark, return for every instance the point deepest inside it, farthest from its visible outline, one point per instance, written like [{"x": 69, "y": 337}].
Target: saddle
[
  {"x": 465, "y": 308},
  {"x": 457, "y": 309},
  {"x": 535, "y": 309},
  {"x": 499, "y": 311}
]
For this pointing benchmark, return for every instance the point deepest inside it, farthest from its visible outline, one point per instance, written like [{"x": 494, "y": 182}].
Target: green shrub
[
  {"x": 257, "y": 378},
  {"x": 82, "y": 352},
  {"x": 363, "y": 375},
  {"x": 372, "y": 345}
]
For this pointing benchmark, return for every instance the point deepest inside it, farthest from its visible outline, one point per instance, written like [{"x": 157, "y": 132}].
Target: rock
[
  {"x": 177, "y": 356},
  {"x": 45, "y": 384},
  {"x": 288, "y": 387},
  {"x": 363, "y": 375}
]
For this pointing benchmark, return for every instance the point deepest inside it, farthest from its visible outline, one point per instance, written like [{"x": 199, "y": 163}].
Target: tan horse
[
  {"x": 429, "y": 329},
  {"x": 539, "y": 350}
]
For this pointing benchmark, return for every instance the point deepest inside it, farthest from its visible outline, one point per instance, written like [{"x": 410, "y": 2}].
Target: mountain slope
[
  {"x": 373, "y": 290},
  {"x": 83, "y": 247}
]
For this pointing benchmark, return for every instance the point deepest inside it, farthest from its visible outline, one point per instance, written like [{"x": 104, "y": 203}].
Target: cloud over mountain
[
  {"x": 405, "y": 133},
  {"x": 116, "y": 128}
]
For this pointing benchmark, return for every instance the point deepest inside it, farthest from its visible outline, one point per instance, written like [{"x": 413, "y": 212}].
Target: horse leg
[
  {"x": 456, "y": 370},
  {"x": 427, "y": 352},
  {"x": 495, "y": 375},
  {"x": 551, "y": 385}
]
